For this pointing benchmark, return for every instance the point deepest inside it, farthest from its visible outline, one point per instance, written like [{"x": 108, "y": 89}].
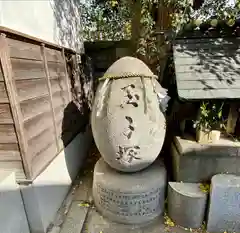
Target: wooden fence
[
  {"x": 104, "y": 53},
  {"x": 35, "y": 89}
]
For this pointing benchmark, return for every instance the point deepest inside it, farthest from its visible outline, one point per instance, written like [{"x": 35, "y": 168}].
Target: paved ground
[{"x": 78, "y": 214}]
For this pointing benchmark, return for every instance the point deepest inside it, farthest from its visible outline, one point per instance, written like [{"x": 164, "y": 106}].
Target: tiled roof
[{"x": 207, "y": 68}]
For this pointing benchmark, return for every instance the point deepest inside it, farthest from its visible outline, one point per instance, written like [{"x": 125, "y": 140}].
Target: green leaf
[
  {"x": 83, "y": 205},
  {"x": 231, "y": 22}
]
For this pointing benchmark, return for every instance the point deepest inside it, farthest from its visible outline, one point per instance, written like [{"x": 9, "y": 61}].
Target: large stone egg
[{"x": 127, "y": 124}]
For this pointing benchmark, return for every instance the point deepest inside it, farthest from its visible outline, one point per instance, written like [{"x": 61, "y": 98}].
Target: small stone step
[
  {"x": 129, "y": 198},
  {"x": 224, "y": 206},
  {"x": 186, "y": 204}
]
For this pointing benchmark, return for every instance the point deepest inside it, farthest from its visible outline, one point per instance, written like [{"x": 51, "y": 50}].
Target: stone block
[
  {"x": 186, "y": 204},
  {"x": 135, "y": 198},
  {"x": 196, "y": 163},
  {"x": 224, "y": 206},
  {"x": 12, "y": 215}
]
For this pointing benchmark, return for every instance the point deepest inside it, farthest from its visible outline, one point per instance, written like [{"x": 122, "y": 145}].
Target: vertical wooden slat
[
  {"x": 14, "y": 103},
  {"x": 67, "y": 76},
  {"x": 50, "y": 94}
]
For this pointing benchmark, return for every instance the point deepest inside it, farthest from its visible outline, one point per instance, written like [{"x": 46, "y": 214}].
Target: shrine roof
[{"x": 207, "y": 68}]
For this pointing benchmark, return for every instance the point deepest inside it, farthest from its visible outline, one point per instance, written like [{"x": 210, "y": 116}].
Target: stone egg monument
[{"x": 128, "y": 124}]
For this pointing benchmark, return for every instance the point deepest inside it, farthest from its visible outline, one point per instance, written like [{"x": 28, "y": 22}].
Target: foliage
[
  {"x": 111, "y": 20},
  {"x": 210, "y": 116},
  {"x": 105, "y": 20},
  {"x": 212, "y": 12},
  {"x": 204, "y": 188},
  {"x": 168, "y": 221}
]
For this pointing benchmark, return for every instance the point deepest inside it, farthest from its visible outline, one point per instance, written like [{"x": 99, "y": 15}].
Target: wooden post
[
  {"x": 14, "y": 103},
  {"x": 182, "y": 125},
  {"x": 67, "y": 76},
  {"x": 50, "y": 94},
  {"x": 135, "y": 24},
  {"x": 163, "y": 25},
  {"x": 232, "y": 118}
]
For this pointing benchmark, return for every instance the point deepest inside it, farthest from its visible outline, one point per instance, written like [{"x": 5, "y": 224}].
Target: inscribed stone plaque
[{"x": 130, "y": 204}]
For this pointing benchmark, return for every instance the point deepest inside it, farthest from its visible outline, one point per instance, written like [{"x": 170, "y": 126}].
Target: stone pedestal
[
  {"x": 196, "y": 162},
  {"x": 186, "y": 204},
  {"x": 224, "y": 207},
  {"x": 135, "y": 198}
]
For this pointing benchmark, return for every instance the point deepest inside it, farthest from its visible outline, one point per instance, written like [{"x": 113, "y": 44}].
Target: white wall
[
  {"x": 12, "y": 214},
  {"x": 44, "y": 196},
  {"x": 56, "y": 21}
]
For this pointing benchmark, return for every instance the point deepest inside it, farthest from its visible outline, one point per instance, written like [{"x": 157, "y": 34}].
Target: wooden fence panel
[
  {"x": 37, "y": 124},
  {"x": 27, "y": 69},
  {"x": 20, "y": 49},
  {"x": 41, "y": 141},
  {"x": 53, "y": 55},
  {"x": 9, "y": 149},
  {"x": 33, "y": 107},
  {"x": 12, "y": 144},
  {"x": 56, "y": 70},
  {"x": 3, "y": 93},
  {"x": 14, "y": 166},
  {"x": 5, "y": 114},
  {"x": 60, "y": 89},
  {"x": 7, "y": 134},
  {"x": 41, "y": 160},
  {"x": 31, "y": 88},
  {"x": 1, "y": 75},
  {"x": 34, "y": 92},
  {"x": 10, "y": 152}
]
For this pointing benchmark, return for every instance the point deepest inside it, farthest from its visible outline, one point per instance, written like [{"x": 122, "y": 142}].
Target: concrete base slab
[
  {"x": 95, "y": 223},
  {"x": 84, "y": 189},
  {"x": 12, "y": 215},
  {"x": 75, "y": 218},
  {"x": 55, "y": 230},
  {"x": 44, "y": 196}
]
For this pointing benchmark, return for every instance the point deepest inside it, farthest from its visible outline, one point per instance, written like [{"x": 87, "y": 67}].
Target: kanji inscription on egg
[
  {"x": 130, "y": 129},
  {"x": 128, "y": 154},
  {"x": 132, "y": 98}
]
